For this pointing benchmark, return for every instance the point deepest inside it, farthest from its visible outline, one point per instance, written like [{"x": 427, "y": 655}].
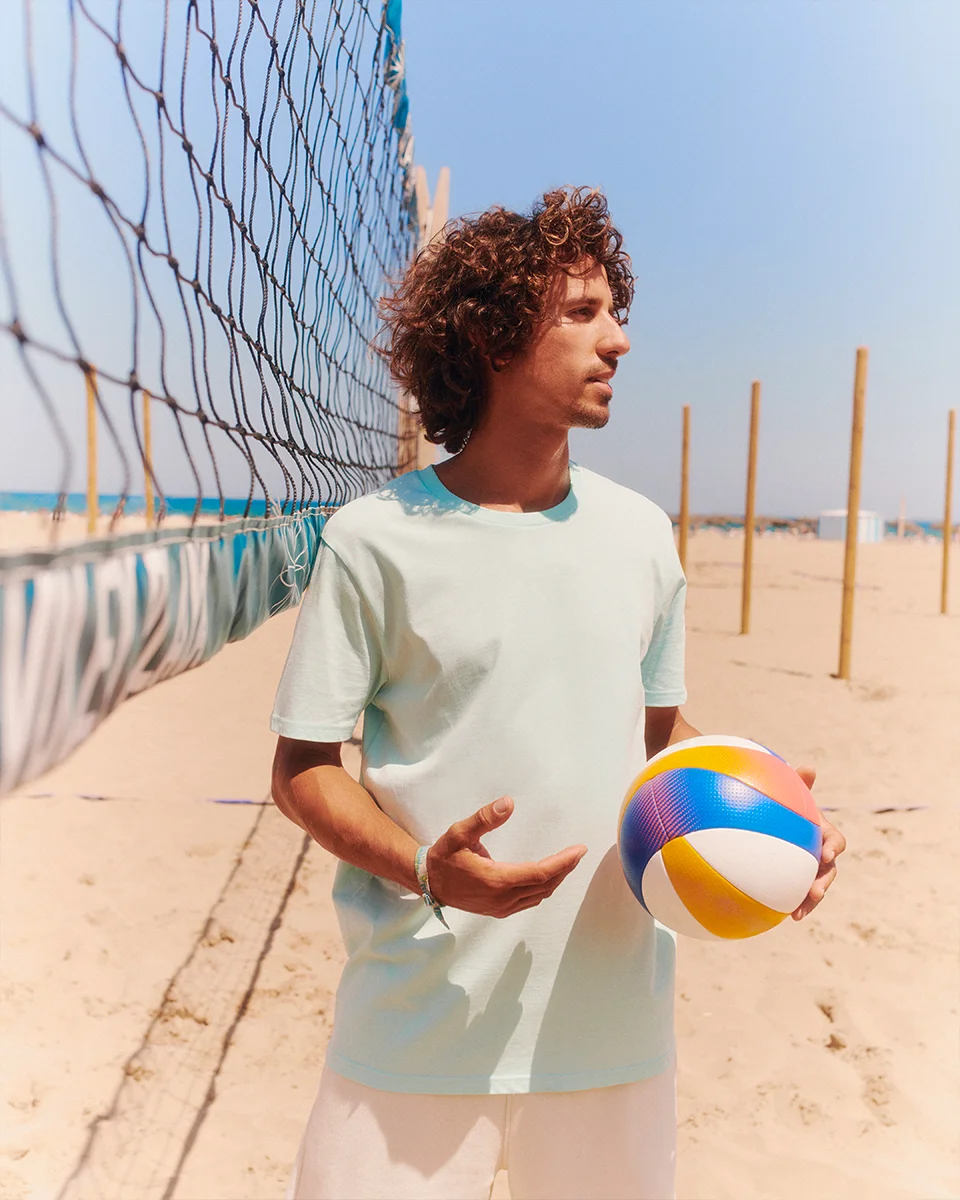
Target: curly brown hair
[{"x": 475, "y": 298}]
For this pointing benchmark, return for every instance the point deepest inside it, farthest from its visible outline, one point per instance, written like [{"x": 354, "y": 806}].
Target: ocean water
[
  {"x": 76, "y": 502},
  {"x": 234, "y": 507}
]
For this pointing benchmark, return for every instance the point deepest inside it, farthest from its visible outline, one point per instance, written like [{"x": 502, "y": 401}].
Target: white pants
[{"x": 614, "y": 1143}]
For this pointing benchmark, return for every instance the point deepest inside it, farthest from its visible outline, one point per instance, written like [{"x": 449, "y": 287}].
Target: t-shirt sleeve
[
  {"x": 334, "y": 666},
  {"x": 662, "y": 669}
]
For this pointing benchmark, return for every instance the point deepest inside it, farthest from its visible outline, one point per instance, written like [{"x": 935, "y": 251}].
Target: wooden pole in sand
[
  {"x": 685, "y": 488},
  {"x": 147, "y": 460},
  {"x": 90, "y": 376},
  {"x": 947, "y": 513},
  {"x": 853, "y": 512},
  {"x": 749, "y": 518}
]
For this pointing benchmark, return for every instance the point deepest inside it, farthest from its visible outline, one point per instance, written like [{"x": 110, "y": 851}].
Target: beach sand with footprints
[{"x": 170, "y": 954}]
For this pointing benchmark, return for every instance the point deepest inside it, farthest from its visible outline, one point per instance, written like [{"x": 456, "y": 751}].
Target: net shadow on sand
[{"x": 137, "y": 1148}]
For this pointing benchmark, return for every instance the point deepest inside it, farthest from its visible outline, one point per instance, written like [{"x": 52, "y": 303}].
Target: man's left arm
[
  {"x": 666, "y": 726},
  {"x": 663, "y": 727}
]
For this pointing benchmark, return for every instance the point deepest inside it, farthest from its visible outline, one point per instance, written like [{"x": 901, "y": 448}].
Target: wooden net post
[
  {"x": 749, "y": 518},
  {"x": 853, "y": 513},
  {"x": 90, "y": 377},
  {"x": 147, "y": 461},
  {"x": 947, "y": 513},
  {"x": 414, "y": 449},
  {"x": 685, "y": 488},
  {"x": 440, "y": 209},
  {"x": 426, "y": 452}
]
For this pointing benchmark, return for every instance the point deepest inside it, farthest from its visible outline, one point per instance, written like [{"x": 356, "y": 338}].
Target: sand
[
  {"x": 169, "y": 963},
  {"x": 35, "y": 531}
]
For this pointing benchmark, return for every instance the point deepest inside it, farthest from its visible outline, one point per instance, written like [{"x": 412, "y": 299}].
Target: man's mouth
[{"x": 603, "y": 378}]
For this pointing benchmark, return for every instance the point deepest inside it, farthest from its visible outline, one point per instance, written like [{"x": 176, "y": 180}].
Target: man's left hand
[{"x": 834, "y": 844}]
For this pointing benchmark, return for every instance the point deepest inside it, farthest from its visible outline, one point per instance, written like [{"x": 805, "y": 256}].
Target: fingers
[
  {"x": 814, "y": 897},
  {"x": 531, "y": 902},
  {"x": 519, "y": 903},
  {"x": 527, "y": 893},
  {"x": 501, "y": 889},
  {"x": 463, "y": 874},
  {"x": 833, "y": 844},
  {"x": 563, "y": 860},
  {"x": 825, "y": 877},
  {"x": 471, "y": 829},
  {"x": 522, "y": 898},
  {"x": 548, "y": 872}
]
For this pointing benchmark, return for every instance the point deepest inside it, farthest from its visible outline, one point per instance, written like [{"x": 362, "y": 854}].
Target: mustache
[{"x": 603, "y": 374}]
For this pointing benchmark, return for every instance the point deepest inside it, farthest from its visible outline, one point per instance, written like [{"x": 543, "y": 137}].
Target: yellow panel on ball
[{"x": 720, "y": 907}]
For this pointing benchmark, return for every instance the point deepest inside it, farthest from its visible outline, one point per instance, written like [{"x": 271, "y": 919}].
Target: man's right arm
[{"x": 312, "y": 788}]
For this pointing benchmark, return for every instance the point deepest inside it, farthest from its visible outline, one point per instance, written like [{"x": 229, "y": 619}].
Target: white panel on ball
[{"x": 768, "y": 869}]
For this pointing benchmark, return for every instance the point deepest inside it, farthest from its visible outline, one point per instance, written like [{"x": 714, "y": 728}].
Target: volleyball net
[{"x": 200, "y": 206}]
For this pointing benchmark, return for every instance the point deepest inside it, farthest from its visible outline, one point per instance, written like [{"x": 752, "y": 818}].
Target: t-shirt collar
[{"x": 560, "y": 512}]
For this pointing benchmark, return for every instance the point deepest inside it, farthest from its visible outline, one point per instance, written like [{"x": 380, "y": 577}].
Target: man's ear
[
  {"x": 478, "y": 339},
  {"x": 496, "y": 363}
]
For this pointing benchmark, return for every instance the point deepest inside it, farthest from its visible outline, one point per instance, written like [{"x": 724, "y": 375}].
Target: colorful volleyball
[{"x": 719, "y": 838}]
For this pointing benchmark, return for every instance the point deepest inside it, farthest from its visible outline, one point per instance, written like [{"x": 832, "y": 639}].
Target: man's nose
[{"x": 615, "y": 341}]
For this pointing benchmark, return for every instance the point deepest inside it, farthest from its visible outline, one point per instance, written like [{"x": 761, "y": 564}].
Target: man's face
[{"x": 565, "y": 375}]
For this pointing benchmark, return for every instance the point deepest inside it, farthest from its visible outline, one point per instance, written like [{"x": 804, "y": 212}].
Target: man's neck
[{"x": 509, "y": 469}]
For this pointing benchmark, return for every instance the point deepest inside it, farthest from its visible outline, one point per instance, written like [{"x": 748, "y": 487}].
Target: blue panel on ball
[
  {"x": 641, "y": 836},
  {"x": 679, "y": 802}
]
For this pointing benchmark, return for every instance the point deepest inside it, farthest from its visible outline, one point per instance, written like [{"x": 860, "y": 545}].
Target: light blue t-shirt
[{"x": 495, "y": 653}]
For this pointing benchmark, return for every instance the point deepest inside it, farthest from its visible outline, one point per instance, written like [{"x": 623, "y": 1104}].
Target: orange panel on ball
[{"x": 765, "y": 772}]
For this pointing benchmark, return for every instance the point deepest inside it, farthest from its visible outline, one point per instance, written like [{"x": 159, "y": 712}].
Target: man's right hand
[{"x": 463, "y": 875}]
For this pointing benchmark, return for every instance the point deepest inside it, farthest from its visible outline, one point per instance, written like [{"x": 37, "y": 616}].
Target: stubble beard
[{"x": 589, "y": 416}]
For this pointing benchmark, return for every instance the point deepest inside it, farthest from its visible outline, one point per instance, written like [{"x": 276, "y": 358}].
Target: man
[{"x": 510, "y": 626}]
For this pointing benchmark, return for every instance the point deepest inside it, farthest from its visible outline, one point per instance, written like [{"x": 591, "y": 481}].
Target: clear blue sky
[{"x": 787, "y": 176}]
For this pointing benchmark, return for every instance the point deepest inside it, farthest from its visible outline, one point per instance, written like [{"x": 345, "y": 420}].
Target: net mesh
[{"x": 199, "y": 207}]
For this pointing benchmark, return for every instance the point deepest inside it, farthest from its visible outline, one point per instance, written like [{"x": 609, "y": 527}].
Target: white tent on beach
[{"x": 832, "y": 526}]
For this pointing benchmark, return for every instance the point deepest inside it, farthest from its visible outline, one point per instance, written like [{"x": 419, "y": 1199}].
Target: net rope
[{"x": 202, "y": 202}]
